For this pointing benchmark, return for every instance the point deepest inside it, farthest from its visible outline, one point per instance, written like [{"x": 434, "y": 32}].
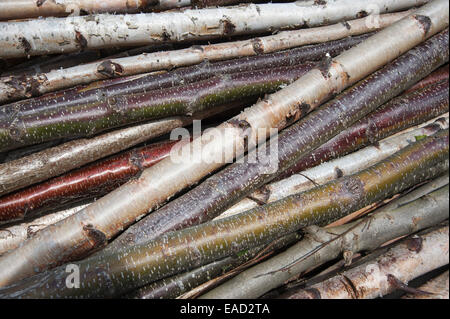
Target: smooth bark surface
[
  {"x": 12, "y": 236},
  {"x": 438, "y": 75}
]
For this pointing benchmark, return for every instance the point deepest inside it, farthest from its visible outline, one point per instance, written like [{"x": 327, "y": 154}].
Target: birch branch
[
  {"x": 57, "y": 160},
  {"x": 52, "y": 162},
  {"x": 438, "y": 288},
  {"x": 227, "y": 187},
  {"x": 71, "y": 34},
  {"x": 401, "y": 263},
  {"x": 88, "y": 119},
  {"x": 337, "y": 168},
  {"x": 400, "y": 113},
  {"x": 13, "y": 9},
  {"x": 320, "y": 245},
  {"x": 91, "y": 228},
  {"x": 11, "y": 237},
  {"x": 80, "y": 101},
  {"x": 398, "y": 200},
  {"x": 175, "y": 286},
  {"x": 13, "y": 88},
  {"x": 392, "y": 117},
  {"x": 87, "y": 182},
  {"x": 103, "y": 90},
  {"x": 172, "y": 253},
  {"x": 405, "y": 138},
  {"x": 45, "y": 64},
  {"x": 438, "y": 75},
  {"x": 409, "y": 197}
]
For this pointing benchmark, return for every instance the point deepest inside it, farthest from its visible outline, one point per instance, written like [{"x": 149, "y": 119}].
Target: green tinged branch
[{"x": 120, "y": 272}]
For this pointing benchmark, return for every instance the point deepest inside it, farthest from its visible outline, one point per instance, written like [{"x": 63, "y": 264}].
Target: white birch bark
[
  {"x": 368, "y": 234},
  {"x": 108, "y": 215},
  {"x": 11, "y": 89},
  {"x": 346, "y": 165},
  {"x": 405, "y": 261},
  {"x": 63, "y": 35},
  {"x": 438, "y": 288}
]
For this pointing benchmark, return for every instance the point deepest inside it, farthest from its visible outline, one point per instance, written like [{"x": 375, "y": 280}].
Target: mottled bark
[{"x": 89, "y": 229}]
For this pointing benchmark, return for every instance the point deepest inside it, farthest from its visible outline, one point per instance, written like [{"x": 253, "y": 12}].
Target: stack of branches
[{"x": 322, "y": 171}]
